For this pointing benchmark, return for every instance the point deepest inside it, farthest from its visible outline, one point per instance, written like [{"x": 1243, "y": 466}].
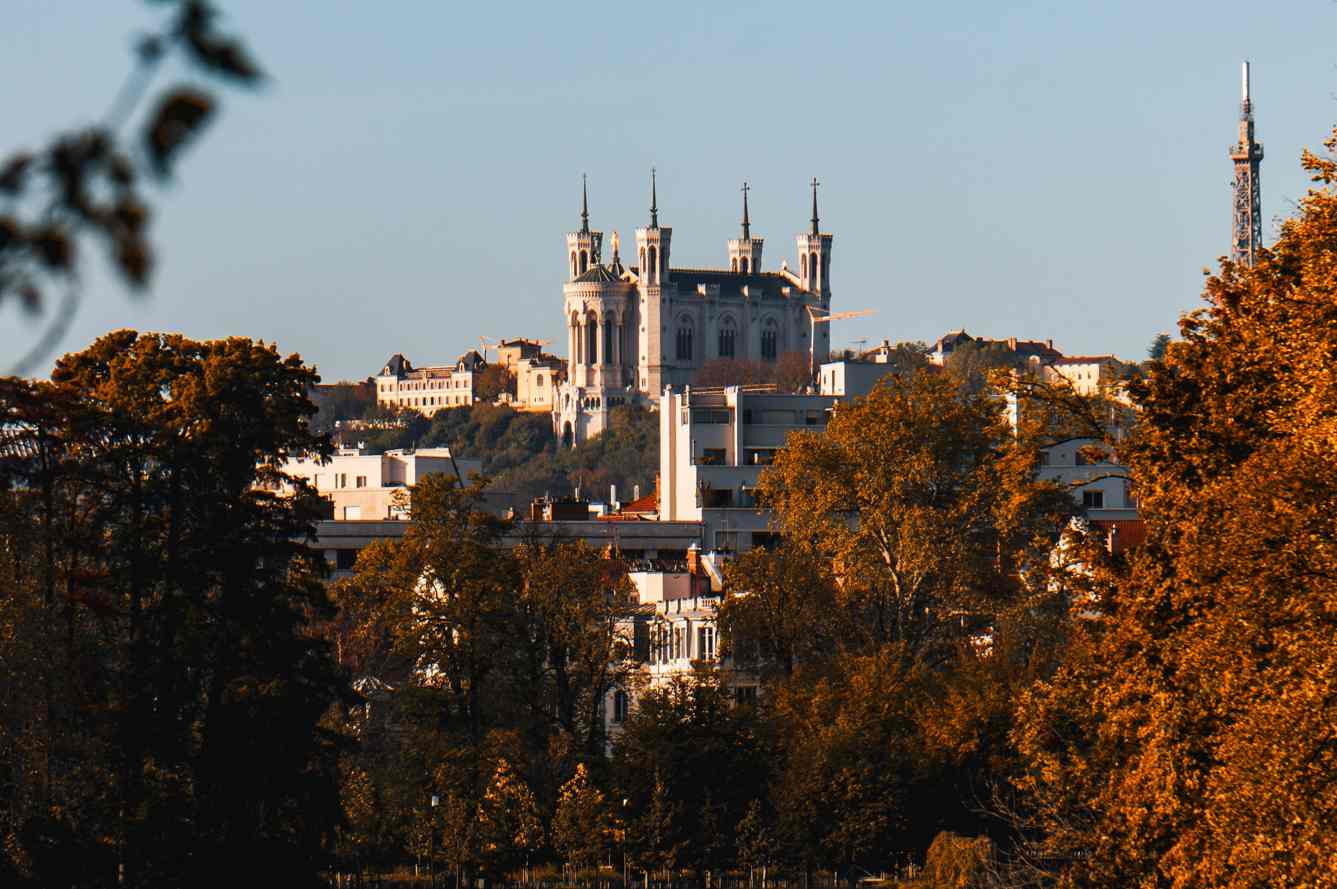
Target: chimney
[
  {"x": 1049, "y": 343},
  {"x": 635, "y": 492},
  {"x": 612, "y": 496},
  {"x": 1012, "y": 343},
  {"x": 693, "y": 559}
]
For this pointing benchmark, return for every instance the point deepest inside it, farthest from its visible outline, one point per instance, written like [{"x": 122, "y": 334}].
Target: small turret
[
  {"x": 583, "y": 247},
  {"x": 745, "y": 252}
]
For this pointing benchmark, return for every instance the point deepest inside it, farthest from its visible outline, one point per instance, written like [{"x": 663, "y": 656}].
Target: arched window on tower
[
  {"x": 642, "y": 266},
  {"x": 728, "y": 336},
  {"x": 573, "y": 264},
  {"x": 734, "y": 263},
  {"x": 742, "y": 267},
  {"x": 584, "y": 261},
  {"x": 652, "y": 272},
  {"x": 812, "y": 267},
  {"x": 770, "y": 335},
  {"x": 803, "y": 266},
  {"x": 684, "y": 351}
]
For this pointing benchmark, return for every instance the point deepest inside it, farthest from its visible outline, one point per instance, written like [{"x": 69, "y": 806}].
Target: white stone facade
[
  {"x": 362, "y": 487},
  {"x": 428, "y": 389},
  {"x": 633, "y": 330}
]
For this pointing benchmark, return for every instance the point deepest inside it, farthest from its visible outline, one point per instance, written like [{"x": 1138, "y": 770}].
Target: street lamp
[{"x": 431, "y": 841}]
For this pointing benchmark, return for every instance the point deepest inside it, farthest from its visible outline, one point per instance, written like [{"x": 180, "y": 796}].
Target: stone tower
[
  {"x": 583, "y": 246},
  {"x": 1247, "y": 156},
  {"x": 653, "y": 246},
  {"x": 814, "y": 256},
  {"x": 745, "y": 252},
  {"x": 814, "y": 263}
]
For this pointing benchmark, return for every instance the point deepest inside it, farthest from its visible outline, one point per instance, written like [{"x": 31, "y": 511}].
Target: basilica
[{"x": 635, "y": 329}]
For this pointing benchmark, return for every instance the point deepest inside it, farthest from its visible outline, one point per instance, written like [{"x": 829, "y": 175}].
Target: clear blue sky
[{"x": 405, "y": 181}]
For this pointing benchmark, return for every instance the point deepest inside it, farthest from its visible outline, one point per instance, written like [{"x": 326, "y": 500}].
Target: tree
[
  {"x": 580, "y": 826},
  {"x": 1159, "y": 345},
  {"x": 569, "y": 615},
  {"x": 1188, "y": 738},
  {"x": 755, "y": 840},
  {"x": 948, "y": 512},
  {"x": 493, "y": 381},
  {"x": 85, "y": 185},
  {"x": 145, "y": 475},
  {"x": 778, "y": 609},
  {"x": 509, "y": 822}
]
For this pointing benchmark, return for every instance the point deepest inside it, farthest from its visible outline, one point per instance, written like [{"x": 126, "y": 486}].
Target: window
[
  {"x": 728, "y": 334},
  {"x": 769, "y": 339},
  {"x": 712, "y": 457},
  {"x": 677, "y": 643},
  {"x": 684, "y": 340},
  {"x": 743, "y": 265},
  {"x": 745, "y": 695},
  {"x": 619, "y": 706},
  {"x": 1093, "y": 500},
  {"x": 1044, "y": 458},
  {"x": 705, "y": 643},
  {"x": 539, "y": 382},
  {"x": 352, "y": 513},
  {"x": 726, "y": 541},
  {"x": 759, "y": 456},
  {"x": 361, "y": 481},
  {"x": 344, "y": 559}
]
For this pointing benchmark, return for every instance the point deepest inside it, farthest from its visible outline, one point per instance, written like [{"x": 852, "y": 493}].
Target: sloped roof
[{"x": 770, "y": 284}]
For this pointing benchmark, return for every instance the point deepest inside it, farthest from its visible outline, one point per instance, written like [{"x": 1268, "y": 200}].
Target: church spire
[
  {"x": 815, "y": 183},
  {"x": 654, "y": 201},
  {"x": 747, "y": 234},
  {"x": 584, "y": 206}
]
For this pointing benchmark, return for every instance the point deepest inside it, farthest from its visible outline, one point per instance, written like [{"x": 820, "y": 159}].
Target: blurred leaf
[
  {"x": 131, "y": 214},
  {"x": 54, "y": 247},
  {"x": 180, "y": 115},
  {"x": 121, "y": 170},
  {"x": 134, "y": 260},
  {"x": 223, "y": 56},
  {"x": 13, "y": 173}
]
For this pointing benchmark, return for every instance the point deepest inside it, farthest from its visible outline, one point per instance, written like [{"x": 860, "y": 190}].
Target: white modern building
[
  {"x": 713, "y": 446},
  {"x": 363, "y": 486},
  {"x": 1088, "y": 470}
]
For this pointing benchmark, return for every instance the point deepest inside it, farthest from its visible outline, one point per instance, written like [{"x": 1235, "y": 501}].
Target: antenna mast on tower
[{"x": 1247, "y": 155}]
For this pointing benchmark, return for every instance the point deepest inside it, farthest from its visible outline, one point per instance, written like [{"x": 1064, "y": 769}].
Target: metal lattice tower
[{"x": 1247, "y": 155}]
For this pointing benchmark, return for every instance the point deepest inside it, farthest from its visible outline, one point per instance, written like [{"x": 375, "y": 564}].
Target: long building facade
[{"x": 638, "y": 326}]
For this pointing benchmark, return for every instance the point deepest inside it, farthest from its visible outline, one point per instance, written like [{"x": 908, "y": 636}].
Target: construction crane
[
  {"x": 816, "y": 319},
  {"x": 485, "y": 343}
]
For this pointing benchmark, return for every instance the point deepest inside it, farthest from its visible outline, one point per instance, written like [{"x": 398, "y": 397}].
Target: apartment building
[
  {"x": 713, "y": 445},
  {"x": 363, "y": 486}
]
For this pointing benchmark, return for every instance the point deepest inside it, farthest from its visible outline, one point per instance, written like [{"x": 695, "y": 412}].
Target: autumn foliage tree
[
  {"x": 160, "y": 604},
  {"x": 1189, "y": 739}
]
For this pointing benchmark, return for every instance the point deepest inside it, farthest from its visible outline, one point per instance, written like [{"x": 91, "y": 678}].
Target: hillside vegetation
[{"x": 520, "y": 453}]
